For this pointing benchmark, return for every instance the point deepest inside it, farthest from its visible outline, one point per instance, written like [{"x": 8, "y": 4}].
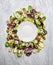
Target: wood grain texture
[{"x": 45, "y": 57}]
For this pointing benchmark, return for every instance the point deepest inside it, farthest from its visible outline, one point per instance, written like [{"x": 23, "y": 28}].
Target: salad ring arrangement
[{"x": 14, "y": 43}]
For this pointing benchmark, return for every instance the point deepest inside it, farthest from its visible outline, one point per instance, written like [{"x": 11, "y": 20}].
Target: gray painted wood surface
[{"x": 45, "y": 57}]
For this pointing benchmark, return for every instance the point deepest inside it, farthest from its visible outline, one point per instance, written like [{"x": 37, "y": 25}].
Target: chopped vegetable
[
  {"x": 38, "y": 50},
  {"x": 15, "y": 28},
  {"x": 11, "y": 18},
  {"x": 41, "y": 44},
  {"x": 38, "y": 22},
  {"x": 7, "y": 31},
  {"x": 15, "y": 50},
  {"x": 19, "y": 46},
  {"x": 24, "y": 10},
  {"x": 11, "y": 42},
  {"x": 35, "y": 41},
  {"x": 29, "y": 19},
  {"x": 43, "y": 18},
  {"x": 39, "y": 14},
  {"x": 17, "y": 15},
  {"x": 29, "y": 7},
  {"x": 21, "y": 18},
  {"x": 19, "y": 54},
  {"x": 23, "y": 44},
  {"x": 7, "y": 44},
  {"x": 31, "y": 44}
]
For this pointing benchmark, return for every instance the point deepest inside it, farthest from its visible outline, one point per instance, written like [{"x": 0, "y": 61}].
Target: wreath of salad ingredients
[{"x": 14, "y": 43}]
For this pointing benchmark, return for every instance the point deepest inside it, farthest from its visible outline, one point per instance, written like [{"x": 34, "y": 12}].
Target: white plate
[
  {"x": 45, "y": 57},
  {"x": 27, "y": 31}
]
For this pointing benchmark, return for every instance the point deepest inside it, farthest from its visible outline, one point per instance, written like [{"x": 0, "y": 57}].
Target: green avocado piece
[
  {"x": 16, "y": 14},
  {"x": 35, "y": 41},
  {"x": 7, "y": 44},
  {"x": 7, "y": 31},
  {"x": 29, "y": 19},
  {"x": 29, "y": 7},
  {"x": 38, "y": 22},
  {"x": 15, "y": 50},
  {"x": 24, "y": 10},
  {"x": 11, "y": 42},
  {"x": 31, "y": 44},
  {"x": 41, "y": 45},
  {"x": 11, "y": 18},
  {"x": 38, "y": 50},
  {"x": 39, "y": 27},
  {"x": 39, "y": 14},
  {"x": 15, "y": 28},
  {"x": 21, "y": 18},
  {"x": 13, "y": 35},
  {"x": 19, "y": 54},
  {"x": 43, "y": 18},
  {"x": 19, "y": 46},
  {"x": 23, "y": 44}
]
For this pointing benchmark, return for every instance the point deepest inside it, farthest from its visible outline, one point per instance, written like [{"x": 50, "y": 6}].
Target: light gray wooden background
[{"x": 45, "y": 57}]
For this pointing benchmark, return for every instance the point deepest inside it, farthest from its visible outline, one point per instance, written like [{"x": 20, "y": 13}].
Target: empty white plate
[{"x": 27, "y": 31}]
